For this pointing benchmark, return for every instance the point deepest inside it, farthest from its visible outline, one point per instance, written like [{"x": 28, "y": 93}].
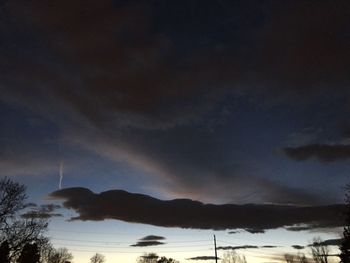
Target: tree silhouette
[
  {"x": 148, "y": 258},
  {"x": 231, "y": 256},
  {"x": 345, "y": 244},
  {"x": 12, "y": 197},
  {"x": 4, "y": 252},
  {"x": 319, "y": 250},
  {"x": 97, "y": 258},
  {"x": 18, "y": 231},
  {"x": 23, "y": 231},
  {"x": 295, "y": 258},
  {"x": 29, "y": 254},
  {"x": 60, "y": 255},
  {"x": 154, "y": 258},
  {"x": 166, "y": 260}
]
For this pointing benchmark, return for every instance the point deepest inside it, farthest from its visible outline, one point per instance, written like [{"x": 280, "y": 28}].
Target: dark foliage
[
  {"x": 345, "y": 244},
  {"x": 29, "y": 254},
  {"x": 12, "y": 197},
  {"x": 4, "y": 252}
]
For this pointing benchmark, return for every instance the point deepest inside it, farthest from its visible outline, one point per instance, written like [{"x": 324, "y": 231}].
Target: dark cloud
[
  {"x": 255, "y": 231},
  {"x": 139, "y": 61},
  {"x": 236, "y": 247},
  {"x": 328, "y": 242},
  {"x": 152, "y": 238},
  {"x": 38, "y": 214},
  {"x": 243, "y": 247},
  {"x": 322, "y": 152},
  {"x": 42, "y": 211},
  {"x": 203, "y": 258},
  {"x": 184, "y": 213},
  {"x": 298, "y": 247},
  {"x": 298, "y": 228},
  {"x": 234, "y": 232},
  {"x": 139, "y": 82},
  {"x": 268, "y": 246},
  {"x": 147, "y": 243}
]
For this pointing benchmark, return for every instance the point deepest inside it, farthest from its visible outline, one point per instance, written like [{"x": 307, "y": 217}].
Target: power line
[
  {"x": 250, "y": 240},
  {"x": 135, "y": 252},
  {"x": 130, "y": 247},
  {"x": 122, "y": 242},
  {"x": 103, "y": 233}
]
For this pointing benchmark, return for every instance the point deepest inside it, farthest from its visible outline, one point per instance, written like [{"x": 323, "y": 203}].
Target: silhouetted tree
[
  {"x": 345, "y": 244},
  {"x": 166, "y": 260},
  {"x": 12, "y": 197},
  {"x": 17, "y": 231},
  {"x": 319, "y": 250},
  {"x": 4, "y": 252},
  {"x": 148, "y": 258},
  {"x": 60, "y": 255},
  {"x": 302, "y": 259},
  {"x": 29, "y": 254},
  {"x": 289, "y": 258},
  {"x": 298, "y": 258},
  {"x": 46, "y": 251},
  {"x": 231, "y": 256},
  {"x": 154, "y": 258},
  {"x": 97, "y": 258},
  {"x": 23, "y": 231}
]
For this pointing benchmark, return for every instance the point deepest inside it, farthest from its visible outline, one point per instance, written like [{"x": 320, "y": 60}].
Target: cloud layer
[
  {"x": 161, "y": 90},
  {"x": 322, "y": 152},
  {"x": 184, "y": 213}
]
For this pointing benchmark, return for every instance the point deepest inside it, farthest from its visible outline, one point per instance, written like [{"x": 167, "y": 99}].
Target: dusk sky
[{"x": 156, "y": 124}]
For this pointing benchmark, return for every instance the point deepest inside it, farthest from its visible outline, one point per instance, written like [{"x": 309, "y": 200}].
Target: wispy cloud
[{"x": 42, "y": 211}]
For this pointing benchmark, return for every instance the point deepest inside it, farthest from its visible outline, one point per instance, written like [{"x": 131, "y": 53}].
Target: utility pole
[{"x": 216, "y": 255}]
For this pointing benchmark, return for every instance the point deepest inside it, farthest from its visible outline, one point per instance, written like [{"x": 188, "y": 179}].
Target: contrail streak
[{"x": 61, "y": 176}]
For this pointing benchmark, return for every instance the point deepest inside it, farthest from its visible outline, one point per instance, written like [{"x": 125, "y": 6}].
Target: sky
[{"x": 153, "y": 125}]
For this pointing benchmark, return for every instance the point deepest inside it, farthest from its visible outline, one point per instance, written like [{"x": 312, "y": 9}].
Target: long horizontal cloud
[
  {"x": 254, "y": 231},
  {"x": 298, "y": 228},
  {"x": 147, "y": 243},
  {"x": 150, "y": 240},
  {"x": 236, "y": 247},
  {"x": 203, "y": 258},
  {"x": 322, "y": 152},
  {"x": 184, "y": 213},
  {"x": 243, "y": 247},
  {"x": 299, "y": 247}
]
